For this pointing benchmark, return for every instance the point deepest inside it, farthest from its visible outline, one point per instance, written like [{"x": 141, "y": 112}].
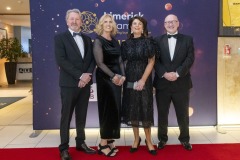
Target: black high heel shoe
[
  {"x": 109, "y": 154},
  {"x": 135, "y": 149},
  {"x": 112, "y": 146},
  {"x": 152, "y": 152}
]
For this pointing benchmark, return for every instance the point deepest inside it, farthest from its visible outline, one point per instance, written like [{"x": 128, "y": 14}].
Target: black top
[{"x": 107, "y": 54}]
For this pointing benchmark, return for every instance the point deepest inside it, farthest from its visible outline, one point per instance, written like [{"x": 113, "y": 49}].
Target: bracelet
[{"x": 111, "y": 78}]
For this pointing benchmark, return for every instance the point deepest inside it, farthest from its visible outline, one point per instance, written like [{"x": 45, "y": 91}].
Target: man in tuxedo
[
  {"x": 74, "y": 56},
  {"x": 172, "y": 81}
]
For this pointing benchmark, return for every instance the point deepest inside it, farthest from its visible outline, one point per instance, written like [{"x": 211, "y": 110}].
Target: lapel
[
  {"x": 166, "y": 46},
  {"x": 73, "y": 43},
  {"x": 178, "y": 45},
  {"x": 85, "y": 45}
]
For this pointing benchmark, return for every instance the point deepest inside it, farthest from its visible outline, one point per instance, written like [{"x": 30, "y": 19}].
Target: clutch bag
[{"x": 132, "y": 85}]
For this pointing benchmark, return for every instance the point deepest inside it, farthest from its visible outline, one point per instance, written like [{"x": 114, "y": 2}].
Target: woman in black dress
[
  {"x": 109, "y": 77},
  {"x": 138, "y": 51}
]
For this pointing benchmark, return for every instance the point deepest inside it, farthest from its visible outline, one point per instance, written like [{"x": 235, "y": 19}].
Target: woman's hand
[
  {"x": 116, "y": 79},
  {"x": 122, "y": 79},
  {"x": 140, "y": 85}
]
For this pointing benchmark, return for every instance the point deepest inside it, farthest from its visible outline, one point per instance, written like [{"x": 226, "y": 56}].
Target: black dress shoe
[
  {"x": 132, "y": 149},
  {"x": 83, "y": 147},
  {"x": 65, "y": 155},
  {"x": 187, "y": 145},
  {"x": 152, "y": 152},
  {"x": 161, "y": 144}
]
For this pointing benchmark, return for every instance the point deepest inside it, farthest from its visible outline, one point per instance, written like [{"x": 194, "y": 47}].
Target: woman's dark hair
[{"x": 145, "y": 30}]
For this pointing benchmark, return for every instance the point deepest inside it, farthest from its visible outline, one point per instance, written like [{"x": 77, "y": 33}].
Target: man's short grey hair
[{"x": 73, "y": 10}]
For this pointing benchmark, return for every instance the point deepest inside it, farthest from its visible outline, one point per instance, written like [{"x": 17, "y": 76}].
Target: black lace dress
[
  {"x": 107, "y": 54},
  {"x": 137, "y": 106}
]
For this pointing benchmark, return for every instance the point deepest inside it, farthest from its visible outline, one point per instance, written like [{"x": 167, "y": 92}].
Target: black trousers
[
  {"x": 73, "y": 98},
  {"x": 180, "y": 101}
]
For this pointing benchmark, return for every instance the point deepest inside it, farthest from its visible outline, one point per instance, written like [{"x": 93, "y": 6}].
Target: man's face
[
  {"x": 74, "y": 21},
  {"x": 171, "y": 24}
]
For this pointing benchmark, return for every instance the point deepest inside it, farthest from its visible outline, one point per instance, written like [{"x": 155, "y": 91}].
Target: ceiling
[{"x": 19, "y": 15}]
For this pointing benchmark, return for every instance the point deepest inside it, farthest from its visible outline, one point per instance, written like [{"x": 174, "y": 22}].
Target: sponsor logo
[
  {"x": 25, "y": 70},
  {"x": 89, "y": 21},
  {"x": 125, "y": 16},
  {"x": 122, "y": 20}
]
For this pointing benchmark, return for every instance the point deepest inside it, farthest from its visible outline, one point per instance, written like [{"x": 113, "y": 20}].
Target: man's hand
[
  {"x": 84, "y": 80},
  {"x": 81, "y": 84},
  {"x": 86, "y": 77},
  {"x": 170, "y": 76}
]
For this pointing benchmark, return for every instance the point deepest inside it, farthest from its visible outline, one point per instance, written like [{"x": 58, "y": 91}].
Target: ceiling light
[{"x": 8, "y": 8}]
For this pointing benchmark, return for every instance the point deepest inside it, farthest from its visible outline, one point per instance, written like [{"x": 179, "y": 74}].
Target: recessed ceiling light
[{"x": 8, "y": 8}]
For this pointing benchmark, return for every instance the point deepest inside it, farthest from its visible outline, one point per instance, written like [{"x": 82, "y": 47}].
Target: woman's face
[
  {"x": 107, "y": 24},
  {"x": 137, "y": 27}
]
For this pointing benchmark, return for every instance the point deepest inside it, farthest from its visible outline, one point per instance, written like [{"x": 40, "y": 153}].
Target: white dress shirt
[
  {"x": 78, "y": 39},
  {"x": 172, "y": 44}
]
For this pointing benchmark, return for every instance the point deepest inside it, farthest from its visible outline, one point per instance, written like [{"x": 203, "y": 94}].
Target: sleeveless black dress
[
  {"x": 108, "y": 58},
  {"x": 137, "y": 106}
]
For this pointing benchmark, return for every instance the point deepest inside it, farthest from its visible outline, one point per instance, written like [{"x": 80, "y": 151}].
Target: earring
[
  {"x": 142, "y": 31},
  {"x": 131, "y": 32}
]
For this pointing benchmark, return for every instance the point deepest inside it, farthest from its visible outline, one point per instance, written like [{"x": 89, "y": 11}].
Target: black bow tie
[
  {"x": 74, "y": 34},
  {"x": 174, "y": 36}
]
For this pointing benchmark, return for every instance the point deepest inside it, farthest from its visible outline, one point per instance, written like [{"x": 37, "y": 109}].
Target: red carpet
[{"x": 170, "y": 152}]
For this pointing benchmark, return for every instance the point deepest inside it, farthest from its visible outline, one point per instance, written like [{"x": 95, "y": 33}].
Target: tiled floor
[{"x": 16, "y": 127}]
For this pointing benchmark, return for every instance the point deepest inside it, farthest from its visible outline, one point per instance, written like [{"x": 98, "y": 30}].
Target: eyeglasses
[{"x": 171, "y": 22}]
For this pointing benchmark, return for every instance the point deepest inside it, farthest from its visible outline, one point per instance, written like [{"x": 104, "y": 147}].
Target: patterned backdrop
[{"x": 198, "y": 19}]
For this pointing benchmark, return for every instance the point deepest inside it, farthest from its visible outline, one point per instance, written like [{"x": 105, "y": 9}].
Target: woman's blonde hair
[{"x": 99, "y": 26}]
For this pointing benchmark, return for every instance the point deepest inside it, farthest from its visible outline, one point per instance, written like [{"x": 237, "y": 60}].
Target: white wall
[
  {"x": 25, "y": 36},
  {"x": 228, "y": 82}
]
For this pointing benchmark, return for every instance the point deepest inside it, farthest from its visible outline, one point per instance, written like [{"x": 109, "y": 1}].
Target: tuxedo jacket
[
  {"x": 70, "y": 61},
  {"x": 181, "y": 63}
]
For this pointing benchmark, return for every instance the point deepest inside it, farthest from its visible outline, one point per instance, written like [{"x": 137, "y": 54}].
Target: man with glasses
[{"x": 175, "y": 57}]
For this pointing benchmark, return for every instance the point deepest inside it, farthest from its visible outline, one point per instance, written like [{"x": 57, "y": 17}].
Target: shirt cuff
[{"x": 177, "y": 74}]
